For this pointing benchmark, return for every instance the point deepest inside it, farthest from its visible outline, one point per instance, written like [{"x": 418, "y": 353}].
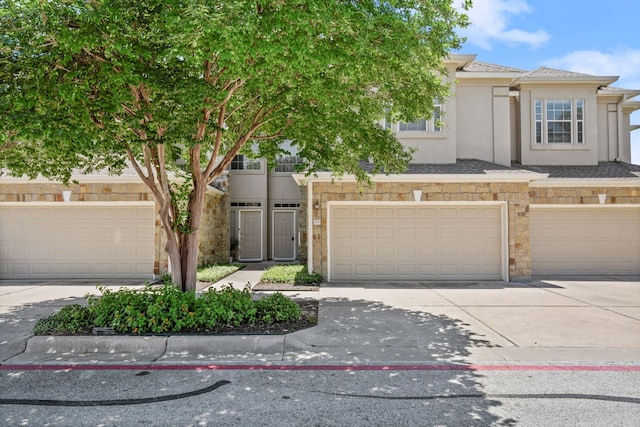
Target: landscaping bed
[{"x": 162, "y": 309}]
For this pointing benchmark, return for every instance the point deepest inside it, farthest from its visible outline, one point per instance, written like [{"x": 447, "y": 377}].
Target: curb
[{"x": 56, "y": 349}]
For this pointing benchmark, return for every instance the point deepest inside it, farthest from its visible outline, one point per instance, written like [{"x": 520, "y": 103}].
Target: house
[
  {"x": 506, "y": 185},
  {"x": 521, "y": 173}
]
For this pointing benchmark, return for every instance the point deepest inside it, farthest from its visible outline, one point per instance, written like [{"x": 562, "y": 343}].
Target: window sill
[
  {"x": 421, "y": 135},
  {"x": 560, "y": 147}
]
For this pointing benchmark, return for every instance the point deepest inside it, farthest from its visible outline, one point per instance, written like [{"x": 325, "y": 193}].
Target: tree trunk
[{"x": 189, "y": 247}]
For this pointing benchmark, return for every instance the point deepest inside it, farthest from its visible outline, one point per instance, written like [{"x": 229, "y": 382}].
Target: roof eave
[
  {"x": 466, "y": 75},
  {"x": 596, "y": 80}
]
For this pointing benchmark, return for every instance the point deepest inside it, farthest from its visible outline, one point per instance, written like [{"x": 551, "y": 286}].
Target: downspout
[
  {"x": 310, "y": 226},
  {"x": 620, "y": 128}
]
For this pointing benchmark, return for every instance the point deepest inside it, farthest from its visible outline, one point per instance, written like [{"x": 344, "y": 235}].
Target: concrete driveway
[{"x": 569, "y": 320}]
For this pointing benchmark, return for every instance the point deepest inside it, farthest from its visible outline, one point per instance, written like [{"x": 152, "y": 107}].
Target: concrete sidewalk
[{"x": 594, "y": 320}]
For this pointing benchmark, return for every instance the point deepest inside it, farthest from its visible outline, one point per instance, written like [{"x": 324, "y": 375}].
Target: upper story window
[
  {"x": 559, "y": 121},
  {"x": 432, "y": 125},
  {"x": 243, "y": 163},
  {"x": 288, "y": 163}
]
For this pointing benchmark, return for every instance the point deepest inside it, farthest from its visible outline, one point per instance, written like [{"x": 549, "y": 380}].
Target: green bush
[
  {"x": 70, "y": 320},
  {"x": 227, "y": 306},
  {"x": 166, "y": 309},
  {"x": 153, "y": 309},
  {"x": 290, "y": 273},
  {"x": 277, "y": 308}
]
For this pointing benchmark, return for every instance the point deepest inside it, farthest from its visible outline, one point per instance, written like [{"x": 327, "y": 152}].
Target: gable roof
[
  {"x": 552, "y": 75},
  {"x": 486, "y": 67}
]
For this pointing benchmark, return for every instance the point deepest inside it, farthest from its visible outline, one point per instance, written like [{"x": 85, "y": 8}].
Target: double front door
[{"x": 250, "y": 235}]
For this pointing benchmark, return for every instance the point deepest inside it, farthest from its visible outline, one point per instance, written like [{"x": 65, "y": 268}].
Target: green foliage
[
  {"x": 215, "y": 272},
  {"x": 166, "y": 309},
  {"x": 154, "y": 309},
  {"x": 277, "y": 308},
  {"x": 227, "y": 306},
  {"x": 178, "y": 88},
  {"x": 294, "y": 274},
  {"x": 70, "y": 320},
  {"x": 83, "y": 82}
]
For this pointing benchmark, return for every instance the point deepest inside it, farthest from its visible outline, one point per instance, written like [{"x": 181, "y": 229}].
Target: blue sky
[{"x": 599, "y": 37}]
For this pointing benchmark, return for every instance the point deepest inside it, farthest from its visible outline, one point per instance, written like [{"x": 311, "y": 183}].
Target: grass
[
  {"x": 216, "y": 272},
  {"x": 295, "y": 274}
]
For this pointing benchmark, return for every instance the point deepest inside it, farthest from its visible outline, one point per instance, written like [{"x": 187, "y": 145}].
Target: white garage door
[
  {"x": 76, "y": 240},
  {"x": 585, "y": 240},
  {"x": 409, "y": 241}
]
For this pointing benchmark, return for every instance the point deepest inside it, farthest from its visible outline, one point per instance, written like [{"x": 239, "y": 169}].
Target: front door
[
  {"x": 284, "y": 235},
  {"x": 250, "y": 239}
]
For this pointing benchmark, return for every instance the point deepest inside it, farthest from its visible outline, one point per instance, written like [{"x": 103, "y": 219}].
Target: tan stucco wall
[
  {"x": 214, "y": 246},
  {"x": 515, "y": 194}
]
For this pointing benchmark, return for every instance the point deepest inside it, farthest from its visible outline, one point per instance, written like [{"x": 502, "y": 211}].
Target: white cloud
[
  {"x": 490, "y": 21},
  {"x": 620, "y": 62}
]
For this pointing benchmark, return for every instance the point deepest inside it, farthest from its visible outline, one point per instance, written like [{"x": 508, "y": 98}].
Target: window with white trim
[
  {"x": 288, "y": 163},
  {"x": 241, "y": 162},
  {"x": 432, "y": 125},
  {"x": 559, "y": 121},
  {"x": 290, "y": 160}
]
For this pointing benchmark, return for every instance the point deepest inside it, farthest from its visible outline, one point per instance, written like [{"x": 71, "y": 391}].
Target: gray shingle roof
[
  {"x": 474, "y": 166},
  {"x": 602, "y": 170},
  {"x": 461, "y": 166}
]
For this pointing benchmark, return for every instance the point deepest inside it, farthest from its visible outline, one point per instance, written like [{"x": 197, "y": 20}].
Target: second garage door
[
  {"x": 585, "y": 240},
  {"x": 406, "y": 241}
]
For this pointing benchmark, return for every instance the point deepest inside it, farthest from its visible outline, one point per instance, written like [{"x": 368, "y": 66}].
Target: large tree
[{"x": 178, "y": 88}]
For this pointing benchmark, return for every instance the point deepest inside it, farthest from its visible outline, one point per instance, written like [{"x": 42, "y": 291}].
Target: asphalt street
[
  {"x": 547, "y": 352},
  {"x": 320, "y": 397}
]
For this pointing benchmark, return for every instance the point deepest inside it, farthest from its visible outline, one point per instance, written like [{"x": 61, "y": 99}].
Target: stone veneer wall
[
  {"x": 302, "y": 225},
  {"x": 515, "y": 194},
  {"x": 583, "y": 195},
  {"x": 214, "y": 230},
  {"x": 214, "y": 246},
  {"x": 518, "y": 196}
]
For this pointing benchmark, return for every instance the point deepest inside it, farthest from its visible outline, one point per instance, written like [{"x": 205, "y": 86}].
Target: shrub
[
  {"x": 153, "y": 309},
  {"x": 72, "y": 319},
  {"x": 227, "y": 306},
  {"x": 277, "y": 308},
  {"x": 166, "y": 309}
]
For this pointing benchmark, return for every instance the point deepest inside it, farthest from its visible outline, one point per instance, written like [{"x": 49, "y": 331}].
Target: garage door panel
[
  {"x": 405, "y": 213},
  {"x": 77, "y": 241},
  {"x": 417, "y": 242},
  {"x": 585, "y": 241},
  {"x": 406, "y": 252},
  {"x": 429, "y": 232},
  {"x": 448, "y": 232},
  {"x": 384, "y": 232},
  {"x": 384, "y": 252}
]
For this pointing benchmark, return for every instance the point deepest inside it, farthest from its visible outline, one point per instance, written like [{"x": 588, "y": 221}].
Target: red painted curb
[{"x": 442, "y": 367}]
